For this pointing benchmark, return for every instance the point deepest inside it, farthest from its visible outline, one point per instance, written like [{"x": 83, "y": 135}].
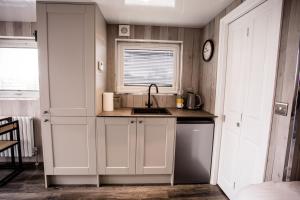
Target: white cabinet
[
  {"x": 135, "y": 145},
  {"x": 116, "y": 145},
  {"x": 71, "y": 39},
  {"x": 69, "y": 145},
  {"x": 66, "y": 40},
  {"x": 155, "y": 145}
]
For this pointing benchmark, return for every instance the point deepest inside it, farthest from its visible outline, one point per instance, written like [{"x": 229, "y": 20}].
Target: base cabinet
[
  {"x": 116, "y": 145},
  {"x": 155, "y": 145},
  {"x": 135, "y": 145},
  {"x": 70, "y": 148}
]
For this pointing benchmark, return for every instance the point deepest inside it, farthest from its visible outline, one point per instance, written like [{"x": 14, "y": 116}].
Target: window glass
[{"x": 18, "y": 69}]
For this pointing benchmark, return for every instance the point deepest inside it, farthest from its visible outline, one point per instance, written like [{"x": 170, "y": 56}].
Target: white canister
[{"x": 108, "y": 101}]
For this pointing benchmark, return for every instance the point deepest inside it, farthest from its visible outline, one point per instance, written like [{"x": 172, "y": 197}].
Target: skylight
[{"x": 154, "y": 3}]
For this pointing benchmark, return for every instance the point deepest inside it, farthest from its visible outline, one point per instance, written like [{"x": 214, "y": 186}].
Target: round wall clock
[{"x": 208, "y": 50}]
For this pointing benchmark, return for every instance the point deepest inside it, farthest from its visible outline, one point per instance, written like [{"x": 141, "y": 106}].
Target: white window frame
[
  {"x": 18, "y": 42},
  {"x": 121, "y": 44}
]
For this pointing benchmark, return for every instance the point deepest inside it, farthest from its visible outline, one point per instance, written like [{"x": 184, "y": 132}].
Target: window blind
[{"x": 145, "y": 66}]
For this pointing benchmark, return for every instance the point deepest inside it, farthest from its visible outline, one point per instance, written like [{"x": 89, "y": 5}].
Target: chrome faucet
[{"x": 149, "y": 91}]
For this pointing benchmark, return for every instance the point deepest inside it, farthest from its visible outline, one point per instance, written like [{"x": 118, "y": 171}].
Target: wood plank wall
[
  {"x": 285, "y": 84},
  {"x": 208, "y": 70},
  {"x": 22, "y": 107},
  {"x": 191, "y": 58},
  {"x": 24, "y": 29}
]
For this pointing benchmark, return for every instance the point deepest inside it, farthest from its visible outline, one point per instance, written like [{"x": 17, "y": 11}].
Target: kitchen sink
[{"x": 150, "y": 111}]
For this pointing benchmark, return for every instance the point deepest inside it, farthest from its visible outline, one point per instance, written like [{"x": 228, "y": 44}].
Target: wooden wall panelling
[
  {"x": 285, "y": 83},
  {"x": 208, "y": 70},
  {"x": 23, "y": 29},
  {"x": 191, "y": 58}
]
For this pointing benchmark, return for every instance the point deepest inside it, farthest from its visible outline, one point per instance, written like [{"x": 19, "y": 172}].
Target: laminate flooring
[{"x": 29, "y": 185}]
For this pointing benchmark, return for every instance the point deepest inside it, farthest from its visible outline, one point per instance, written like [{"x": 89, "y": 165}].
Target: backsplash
[{"x": 129, "y": 100}]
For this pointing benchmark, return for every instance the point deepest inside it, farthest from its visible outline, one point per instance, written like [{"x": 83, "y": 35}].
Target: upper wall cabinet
[{"x": 67, "y": 36}]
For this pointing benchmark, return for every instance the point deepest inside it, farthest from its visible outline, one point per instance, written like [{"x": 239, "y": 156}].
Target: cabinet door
[
  {"x": 66, "y": 59},
  {"x": 69, "y": 145},
  {"x": 116, "y": 145},
  {"x": 233, "y": 104},
  {"x": 155, "y": 145}
]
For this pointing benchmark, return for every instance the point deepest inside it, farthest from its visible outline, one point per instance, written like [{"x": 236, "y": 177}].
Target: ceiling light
[{"x": 156, "y": 3}]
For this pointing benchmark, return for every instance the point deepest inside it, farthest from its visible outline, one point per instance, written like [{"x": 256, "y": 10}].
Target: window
[
  {"x": 18, "y": 69},
  {"x": 141, "y": 63}
]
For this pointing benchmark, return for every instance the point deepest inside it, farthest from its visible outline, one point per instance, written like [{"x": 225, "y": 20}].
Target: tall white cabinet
[{"x": 71, "y": 40}]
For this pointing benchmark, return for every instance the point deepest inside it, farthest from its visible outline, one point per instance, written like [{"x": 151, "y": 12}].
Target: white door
[
  {"x": 66, "y": 59},
  {"x": 69, "y": 145},
  {"x": 233, "y": 105},
  {"x": 155, "y": 145},
  {"x": 249, "y": 95},
  {"x": 116, "y": 142}
]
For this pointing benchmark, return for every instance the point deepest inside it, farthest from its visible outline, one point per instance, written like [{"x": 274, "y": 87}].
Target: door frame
[{"x": 238, "y": 12}]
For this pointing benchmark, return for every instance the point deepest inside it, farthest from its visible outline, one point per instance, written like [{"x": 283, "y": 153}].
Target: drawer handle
[
  {"x": 45, "y": 112},
  {"x": 132, "y": 122},
  {"x": 46, "y": 120},
  {"x": 140, "y": 122}
]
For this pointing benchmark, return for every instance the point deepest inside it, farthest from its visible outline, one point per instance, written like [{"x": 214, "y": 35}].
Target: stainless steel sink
[{"x": 150, "y": 111}]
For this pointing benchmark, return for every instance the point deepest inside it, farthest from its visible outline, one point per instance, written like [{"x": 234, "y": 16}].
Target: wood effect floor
[{"x": 29, "y": 186}]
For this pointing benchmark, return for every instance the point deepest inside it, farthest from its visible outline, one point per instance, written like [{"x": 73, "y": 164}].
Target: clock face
[{"x": 208, "y": 49}]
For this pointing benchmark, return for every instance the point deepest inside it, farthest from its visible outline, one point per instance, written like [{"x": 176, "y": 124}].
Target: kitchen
[{"x": 141, "y": 99}]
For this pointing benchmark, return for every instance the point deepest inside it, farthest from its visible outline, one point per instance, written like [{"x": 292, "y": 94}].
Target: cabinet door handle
[
  {"x": 238, "y": 124},
  {"x": 132, "y": 122},
  {"x": 45, "y": 112},
  {"x": 140, "y": 122},
  {"x": 46, "y": 120}
]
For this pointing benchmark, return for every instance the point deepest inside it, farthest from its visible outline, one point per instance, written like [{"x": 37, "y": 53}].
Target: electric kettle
[{"x": 193, "y": 101}]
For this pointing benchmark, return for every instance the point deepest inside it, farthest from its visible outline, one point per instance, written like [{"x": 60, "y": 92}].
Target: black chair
[{"x": 8, "y": 126}]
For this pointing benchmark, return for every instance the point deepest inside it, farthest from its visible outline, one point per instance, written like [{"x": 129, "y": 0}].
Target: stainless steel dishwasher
[{"x": 193, "y": 154}]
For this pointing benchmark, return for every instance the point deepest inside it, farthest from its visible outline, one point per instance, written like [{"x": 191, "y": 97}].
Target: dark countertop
[{"x": 126, "y": 112}]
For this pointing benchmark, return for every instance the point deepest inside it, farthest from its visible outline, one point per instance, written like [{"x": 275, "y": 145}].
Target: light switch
[{"x": 281, "y": 108}]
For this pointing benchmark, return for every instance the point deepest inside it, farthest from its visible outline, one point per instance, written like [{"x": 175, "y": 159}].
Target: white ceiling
[
  {"x": 186, "y": 13},
  {"x": 17, "y": 10}
]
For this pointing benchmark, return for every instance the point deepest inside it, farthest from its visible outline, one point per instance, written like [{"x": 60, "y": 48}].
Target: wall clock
[{"x": 208, "y": 50}]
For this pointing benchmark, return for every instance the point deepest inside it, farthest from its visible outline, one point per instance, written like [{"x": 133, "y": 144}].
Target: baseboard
[
  {"x": 135, "y": 179},
  {"x": 72, "y": 180}
]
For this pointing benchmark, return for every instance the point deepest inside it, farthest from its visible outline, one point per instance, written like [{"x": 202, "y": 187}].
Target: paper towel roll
[{"x": 108, "y": 101}]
